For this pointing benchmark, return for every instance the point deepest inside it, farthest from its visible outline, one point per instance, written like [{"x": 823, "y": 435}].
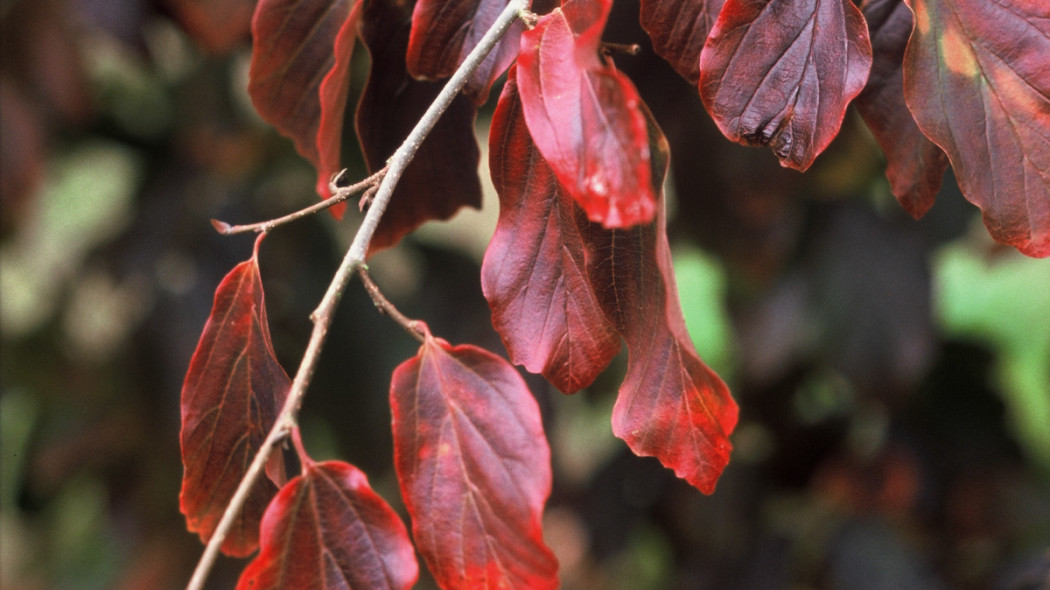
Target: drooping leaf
[
  {"x": 299, "y": 76},
  {"x": 535, "y": 270},
  {"x": 474, "y": 468},
  {"x": 445, "y": 31},
  {"x": 976, "y": 77},
  {"x": 914, "y": 165},
  {"x": 781, "y": 73},
  {"x": 584, "y": 115},
  {"x": 217, "y": 25},
  {"x": 678, "y": 29},
  {"x": 230, "y": 399},
  {"x": 443, "y": 176},
  {"x": 327, "y": 529},
  {"x": 671, "y": 405}
]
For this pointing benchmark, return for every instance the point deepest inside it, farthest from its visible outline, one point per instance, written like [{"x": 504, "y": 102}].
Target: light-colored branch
[
  {"x": 354, "y": 259},
  {"x": 339, "y": 194}
]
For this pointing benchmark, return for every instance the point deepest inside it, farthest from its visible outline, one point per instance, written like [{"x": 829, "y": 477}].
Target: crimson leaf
[
  {"x": 299, "y": 76},
  {"x": 445, "y": 31},
  {"x": 443, "y": 176},
  {"x": 230, "y": 399},
  {"x": 535, "y": 270},
  {"x": 671, "y": 405},
  {"x": 474, "y": 468},
  {"x": 914, "y": 164},
  {"x": 678, "y": 29},
  {"x": 781, "y": 73},
  {"x": 327, "y": 529},
  {"x": 976, "y": 77},
  {"x": 584, "y": 115}
]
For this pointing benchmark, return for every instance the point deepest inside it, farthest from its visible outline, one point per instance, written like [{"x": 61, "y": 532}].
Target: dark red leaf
[
  {"x": 781, "y": 73},
  {"x": 914, "y": 164},
  {"x": 445, "y": 31},
  {"x": 474, "y": 468},
  {"x": 584, "y": 115},
  {"x": 671, "y": 405},
  {"x": 443, "y": 176},
  {"x": 327, "y": 529},
  {"x": 976, "y": 77},
  {"x": 230, "y": 399},
  {"x": 299, "y": 76},
  {"x": 678, "y": 29},
  {"x": 535, "y": 270},
  {"x": 217, "y": 25}
]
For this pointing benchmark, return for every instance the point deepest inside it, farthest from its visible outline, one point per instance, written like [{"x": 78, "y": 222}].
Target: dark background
[{"x": 893, "y": 375}]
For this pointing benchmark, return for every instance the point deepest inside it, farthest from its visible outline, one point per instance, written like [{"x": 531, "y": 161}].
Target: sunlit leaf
[
  {"x": 976, "y": 77},
  {"x": 443, "y": 177},
  {"x": 230, "y": 399},
  {"x": 445, "y": 31},
  {"x": 299, "y": 76},
  {"x": 914, "y": 165},
  {"x": 678, "y": 29},
  {"x": 328, "y": 530},
  {"x": 474, "y": 468},
  {"x": 535, "y": 270},
  {"x": 584, "y": 115},
  {"x": 781, "y": 73}
]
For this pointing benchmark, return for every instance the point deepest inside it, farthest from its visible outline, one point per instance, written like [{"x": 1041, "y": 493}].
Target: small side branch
[
  {"x": 339, "y": 194},
  {"x": 386, "y": 308},
  {"x": 354, "y": 259}
]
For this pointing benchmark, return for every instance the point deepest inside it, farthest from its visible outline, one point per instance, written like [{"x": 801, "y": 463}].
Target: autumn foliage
[{"x": 579, "y": 265}]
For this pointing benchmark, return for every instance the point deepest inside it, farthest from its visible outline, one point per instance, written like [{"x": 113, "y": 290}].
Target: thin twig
[
  {"x": 386, "y": 308},
  {"x": 339, "y": 194},
  {"x": 354, "y": 259}
]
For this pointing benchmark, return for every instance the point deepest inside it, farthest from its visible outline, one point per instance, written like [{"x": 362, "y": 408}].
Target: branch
[
  {"x": 339, "y": 194},
  {"x": 388, "y": 309},
  {"x": 354, "y": 259}
]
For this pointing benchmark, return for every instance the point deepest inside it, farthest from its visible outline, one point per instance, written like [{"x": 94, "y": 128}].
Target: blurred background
[{"x": 893, "y": 375}]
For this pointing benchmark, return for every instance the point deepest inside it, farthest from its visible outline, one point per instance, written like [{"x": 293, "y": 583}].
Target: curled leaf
[{"x": 781, "y": 73}]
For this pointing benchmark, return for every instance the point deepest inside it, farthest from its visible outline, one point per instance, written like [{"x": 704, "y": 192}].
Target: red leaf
[
  {"x": 678, "y": 29},
  {"x": 671, "y": 405},
  {"x": 535, "y": 270},
  {"x": 474, "y": 468},
  {"x": 781, "y": 73},
  {"x": 445, "y": 31},
  {"x": 584, "y": 115},
  {"x": 230, "y": 399},
  {"x": 978, "y": 82},
  {"x": 328, "y": 529},
  {"x": 300, "y": 74},
  {"x": 443, "y": 176},
  {"x": 217, "y": 25},
  {"x": 914, "y": 164}
]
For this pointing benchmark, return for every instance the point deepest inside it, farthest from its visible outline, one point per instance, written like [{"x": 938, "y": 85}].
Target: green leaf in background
[
  {"x": 1005, "y": 300},
  {"x": 701, "y": 290}
]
